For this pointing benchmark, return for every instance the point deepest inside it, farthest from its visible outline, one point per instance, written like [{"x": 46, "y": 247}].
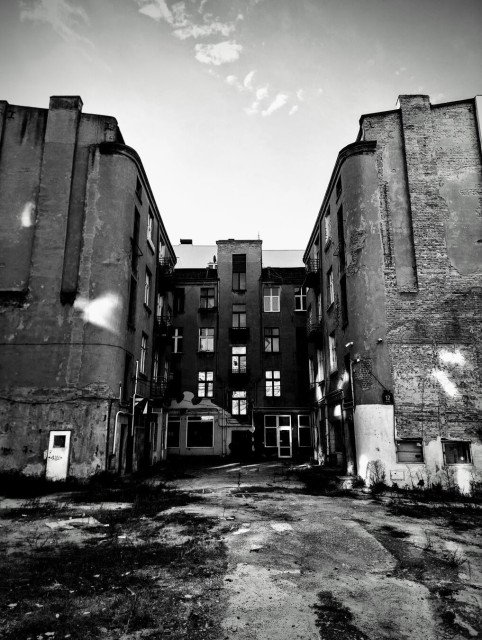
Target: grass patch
[{"x": 334, "y": 620}]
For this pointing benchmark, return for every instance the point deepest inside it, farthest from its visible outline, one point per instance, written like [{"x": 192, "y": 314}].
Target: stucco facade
[
  {"x": 395, "y": 280},
  {"x": 79, "y": 232}
]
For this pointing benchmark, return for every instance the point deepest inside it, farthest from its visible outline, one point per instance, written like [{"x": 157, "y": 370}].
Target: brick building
[
  {"x": 239, "y": 352},
  {"x": 394, "y": 269},
  {"x": 84, "y": 296}
]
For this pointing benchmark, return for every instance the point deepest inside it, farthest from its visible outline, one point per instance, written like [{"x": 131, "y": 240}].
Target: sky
[{"x": 238, "y": 108}]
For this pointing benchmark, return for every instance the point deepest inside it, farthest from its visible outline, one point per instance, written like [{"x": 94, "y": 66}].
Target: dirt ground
[{"x": 240, "y": 551}]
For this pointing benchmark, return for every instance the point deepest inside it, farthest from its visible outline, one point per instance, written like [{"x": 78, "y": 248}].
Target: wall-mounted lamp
[{"x": 348, "y": 345}]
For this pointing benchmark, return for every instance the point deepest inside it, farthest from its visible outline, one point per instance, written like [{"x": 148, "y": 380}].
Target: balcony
[
  {"x": 239, "y": 378},
  {"x": 153, "y": 389},
  {"x": 166, "y": 266},
  {"x": 314, "y": 330},
  {"x": 238, "y": 335},
  {"x": 163, "y": 327},
  {"x": 312, "y": 268}
]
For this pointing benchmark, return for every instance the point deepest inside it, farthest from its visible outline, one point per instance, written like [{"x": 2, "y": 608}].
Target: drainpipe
[
  {"x": 107, "y": 437},
  {"x": 134, "y": 397},
  {"x": 126, "y": 413}
]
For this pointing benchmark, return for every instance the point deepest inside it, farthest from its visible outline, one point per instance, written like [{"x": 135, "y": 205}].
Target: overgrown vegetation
[
  {"x": 334, "y": 620},
  {"x": 125, "y": 576}
]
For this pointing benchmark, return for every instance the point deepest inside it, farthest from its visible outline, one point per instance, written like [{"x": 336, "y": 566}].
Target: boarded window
[{"x": 410, "y": 451}]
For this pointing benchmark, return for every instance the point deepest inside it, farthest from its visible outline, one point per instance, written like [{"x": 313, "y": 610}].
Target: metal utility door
[
  {"x": 58, "y": 455},
  {"x": 284, "y": 442}
]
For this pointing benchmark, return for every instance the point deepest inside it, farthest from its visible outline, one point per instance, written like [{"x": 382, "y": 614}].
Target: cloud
[
  {"x": 217, "y": 54},
  {"x": 202, "y": 31},
  {"x": 252, "y": 110},
  {"x": 300, "y": 94},
  {"x": 279, "y": 102},
  {"x": 262, "y": 93},
  {"x": 401, "y": 70},
  {"x": 248, "y": 80},
  {"x": 293, "y": 109},
  {"x": 64, "y": 18}
]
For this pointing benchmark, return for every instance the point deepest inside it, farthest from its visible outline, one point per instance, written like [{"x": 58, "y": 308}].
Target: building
[
  {"x": 239, "y": 352},
  {"x": 394, "y": 269},
  {"x": 84, "y": 296}
]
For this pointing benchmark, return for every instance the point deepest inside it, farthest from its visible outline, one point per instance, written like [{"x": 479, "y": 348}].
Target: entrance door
[
  {"x": 58, "y": 455},
  {"x": 284, "y": 442}
]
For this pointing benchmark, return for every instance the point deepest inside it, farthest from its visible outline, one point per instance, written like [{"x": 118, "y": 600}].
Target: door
[
  {"x": 284, "y": 442},
  {"x": 58, "y": 455}
]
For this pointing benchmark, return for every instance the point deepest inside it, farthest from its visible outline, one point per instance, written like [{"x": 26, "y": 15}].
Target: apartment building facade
[
  {"x": 239, "y": 353},
  {"x": 84, "y": 291},
  {"x": 394, "y": 270}
]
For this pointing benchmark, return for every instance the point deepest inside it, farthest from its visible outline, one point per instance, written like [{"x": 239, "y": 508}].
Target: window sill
[{"x": 239, "y": 290}]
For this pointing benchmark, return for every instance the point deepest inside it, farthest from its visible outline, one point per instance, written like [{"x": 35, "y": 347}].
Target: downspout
[
  {"x": 134, "y": 397},
  {"x": 126, "y": 413},
  {"x": 107, "y": 437}
]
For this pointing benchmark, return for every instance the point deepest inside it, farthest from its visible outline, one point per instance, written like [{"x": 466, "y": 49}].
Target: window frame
[
  {"x": 330, "y": 288},
  {"x": 150, "y": 228},
  {"x": 239, "y": 403},
  {"x": 207, "y": 298},
  {"x": 206, "y": 338},
  {"x": 272, "y": 383},
  {"x": 177, "y": 339},
  {"x": 457, "y": 443},
  {"x": 327, "y": 228},
  {"x": 275, "y": 339},
  {"x": 332, "y": 352},
  {"x": 304, "y": 426},
  {"x": 269, "y": 299},
  {"x": 406, "y": 454},
  {"x": 143, "y": 354},
  {"x": 147, "y": 288},
  {"x": 238, "y": 316},
  {"x": 300, "y": 298},
  {"x": 238, "y": 264},
  {"x": 191, "y": 420},
  {"x": 239, "y": 354},
  {"x": 205, "y": 383}
]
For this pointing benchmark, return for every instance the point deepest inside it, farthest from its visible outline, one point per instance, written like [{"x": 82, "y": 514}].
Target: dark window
[
  {"x": 200, "y": 432},
  {"x": 457, "y": 452},
  {"x": 300, "y": 299},
  {"x": 341, "y": 241},
  {"x": 409, "y": 451},
  {"x": 343, "y": 300},
  {"x": 207, "y": 298},
  {"x": 139, "y": 190},
  {"x": 59, "y": 442},
  {"x": 173, "y": 429},
  {"x": 131, "y": 317},
  {"x": 239, "y": 316},
  {"x": 271, "y": 339},
  {"x": 179, "y": 297},
  {"x": 304, "y": 431},
  {"x": 135, "y": 251},
  {"x": 239, "y": 272},
  {"x": 338, "y": 188}
]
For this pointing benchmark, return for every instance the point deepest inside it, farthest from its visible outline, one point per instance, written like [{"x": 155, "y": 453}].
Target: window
[
  {"x": 200, "y": 432},
  {"x": 311, "y": 371},
  {"x": 320, "y": 369},
  {"x": 239, "y": 403},
  {"x": 332, "y": 348},
  {"x": 178, "y": 302},
  {"x": 300, "y": 299},
  {"x": 239, "y": 316},
  {"x": 271, "y": 424},
  {"x": 139, "y": 190},
  {"x": 135, "y": 242},
  {"x": 338, "y": 188},
  {"x": 271, "y": 297},
  {"x": 177, "y": 340},
  {"x": 271, "y": 339},
  {"x": 409, "y": 451},
  {"x": 155, "y": 366},
  {"x": 207, "y": 298},
  {"x": 343, "y": 300},
  {"x": 59, "y": 442},
  {"x": 327, "y": 227},
  {"x": 330, "y": 288},
  {"x": 273, "y": 383},
  {"x": 173, "y": 429},
  {"x": 206, "y": 339},
  {"x": 143, "y": 358},
  {"x": 162, "y": 250},
  {"x": 205, "y": 384},
  {"x": 147, "y": 288},
  {"x": 457, "y": 452},
  {"x": 239, "y": 272},
  {"x": 131, "y": 316},
  {"x": 304, "y": 431},
  {"x": 341, "y": 240},
  {"x": 238, "y": 359},
  {"x": 150, "y": 227}
]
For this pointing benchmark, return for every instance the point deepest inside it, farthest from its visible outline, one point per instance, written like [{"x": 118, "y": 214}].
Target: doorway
[
  {"x": 284, "y": 442},
  {"x": 58, "y": 455}
]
